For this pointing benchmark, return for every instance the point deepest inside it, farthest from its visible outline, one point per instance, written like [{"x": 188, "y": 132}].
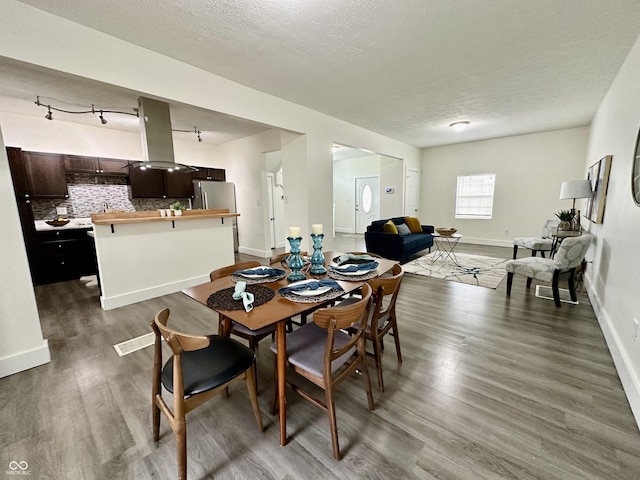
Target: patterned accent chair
[
  {"x": 570, "y": 254},
  {"x": 537, "y": 244}
]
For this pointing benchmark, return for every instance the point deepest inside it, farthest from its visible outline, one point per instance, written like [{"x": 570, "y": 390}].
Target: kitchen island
[{"x": 143, "y": 255}]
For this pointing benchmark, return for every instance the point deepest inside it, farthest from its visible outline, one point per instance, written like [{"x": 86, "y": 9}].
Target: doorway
[{"x": 412, "y": 190}]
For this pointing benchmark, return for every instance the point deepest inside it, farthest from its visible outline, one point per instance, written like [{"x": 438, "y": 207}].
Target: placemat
[
  {"x": 352, "y": 278},
  {"x": 252, "y": 281},
  {"x": 325, "y": 297},
  {"x": 223, "y": 299}
]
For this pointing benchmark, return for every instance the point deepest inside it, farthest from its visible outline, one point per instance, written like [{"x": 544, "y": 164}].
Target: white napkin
[{"x": 247, "y": 298}]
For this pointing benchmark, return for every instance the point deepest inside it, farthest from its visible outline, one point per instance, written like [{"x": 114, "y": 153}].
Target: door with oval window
[{"x": 367, "y": 202}]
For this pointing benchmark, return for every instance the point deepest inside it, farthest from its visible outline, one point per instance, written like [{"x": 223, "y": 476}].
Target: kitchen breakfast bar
[{"x": 143, "y": 255}]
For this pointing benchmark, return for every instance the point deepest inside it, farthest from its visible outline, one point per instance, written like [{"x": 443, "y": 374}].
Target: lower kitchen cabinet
[{"x": 64, "y": 255}]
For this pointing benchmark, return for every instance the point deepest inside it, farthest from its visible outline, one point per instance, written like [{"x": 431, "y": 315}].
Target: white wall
[
  {"x": 344, "y": 174},
  {"x": 529, "y": 171},
  {"x": 21, "y": 342},
  {"x": 613, "y": 277},
  {"x": 391, "y": 176}
]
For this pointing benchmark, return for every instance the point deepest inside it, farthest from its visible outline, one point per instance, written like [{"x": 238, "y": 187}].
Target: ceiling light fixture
[
  {"x": 93, "y": 111},
  {"x": 459, "y": 126}
]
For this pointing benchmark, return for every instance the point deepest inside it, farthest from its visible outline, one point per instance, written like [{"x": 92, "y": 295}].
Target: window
[{"x": 474, "y": 197}]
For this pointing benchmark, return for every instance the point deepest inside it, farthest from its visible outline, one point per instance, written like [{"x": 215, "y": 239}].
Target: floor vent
[{"x": 138, "y": 343}]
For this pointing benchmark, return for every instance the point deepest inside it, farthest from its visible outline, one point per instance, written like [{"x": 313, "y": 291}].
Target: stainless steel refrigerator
[{"x": 217, "y": 195}]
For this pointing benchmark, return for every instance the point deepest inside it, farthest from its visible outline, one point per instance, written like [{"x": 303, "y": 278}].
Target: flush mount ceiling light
[{"x": 459, "y": 126}]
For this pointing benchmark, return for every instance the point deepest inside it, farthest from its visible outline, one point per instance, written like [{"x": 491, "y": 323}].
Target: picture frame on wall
[{"x": 598, "y": 175}]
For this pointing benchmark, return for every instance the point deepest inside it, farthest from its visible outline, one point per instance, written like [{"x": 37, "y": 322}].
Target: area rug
[
  {"x": 470, "y": 269},
  {"x": 545, "y": 292}
]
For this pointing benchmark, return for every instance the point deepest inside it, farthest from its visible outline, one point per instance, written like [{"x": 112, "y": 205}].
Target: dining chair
[
  {"x": 541, "y": 244},
  {"x": 324, "y": 354},
  {"x": 570, "y": 254},
  {"x": 200, "y": 367},
  {"x": 382, "y": 316}
]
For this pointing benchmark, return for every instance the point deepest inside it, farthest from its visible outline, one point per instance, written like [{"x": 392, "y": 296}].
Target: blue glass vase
[
  {"x": 295, "y": 260},
  {"x": 317, "y": 259}
]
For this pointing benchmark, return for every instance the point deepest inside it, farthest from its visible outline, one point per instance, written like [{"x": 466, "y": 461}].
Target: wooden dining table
[{"x": 276, "y": 311}]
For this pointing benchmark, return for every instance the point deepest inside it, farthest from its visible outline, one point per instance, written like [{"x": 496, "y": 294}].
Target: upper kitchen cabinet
[
  {"x": 152, "y": 183},
  {"x": 45, "y": 174},
  {"x": 95, "y": 166},
  {"x": 205, "y": 173}
]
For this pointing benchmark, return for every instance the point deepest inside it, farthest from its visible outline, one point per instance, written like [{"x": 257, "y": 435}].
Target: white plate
[
  {"x": 311, "y": 293},
  {"x": 355, "y": 274},
  {"x": 261, "y": 275}
]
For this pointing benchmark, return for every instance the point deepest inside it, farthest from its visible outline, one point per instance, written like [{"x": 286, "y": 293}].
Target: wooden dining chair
[
  {"x": 324, "y": 354},
  {"x": 201, "y": 367}
]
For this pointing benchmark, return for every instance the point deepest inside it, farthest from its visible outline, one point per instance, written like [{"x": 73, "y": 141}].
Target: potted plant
[
  {"x": 566, "y": 219},
  {"x": 177, "y": 208}
]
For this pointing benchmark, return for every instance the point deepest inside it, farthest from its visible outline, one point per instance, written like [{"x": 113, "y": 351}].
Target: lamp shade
[{"x": 575, "y": 189}]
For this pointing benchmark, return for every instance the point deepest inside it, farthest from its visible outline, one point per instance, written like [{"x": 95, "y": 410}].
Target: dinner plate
[
  {"x": 356, "y": 273},
  {"x": 311, "y": 293},
  {"x": 254, "y": 275}
]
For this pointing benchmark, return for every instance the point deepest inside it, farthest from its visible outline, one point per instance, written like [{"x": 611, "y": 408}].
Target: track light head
[
  {"x": 49, "y": 115},
  {"x": 102, "y": 119}
]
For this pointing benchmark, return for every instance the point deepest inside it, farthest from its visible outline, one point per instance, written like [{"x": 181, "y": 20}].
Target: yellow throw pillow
[
  {"x": 390, "y": 227},
  {"x": 414, "y": 224}
]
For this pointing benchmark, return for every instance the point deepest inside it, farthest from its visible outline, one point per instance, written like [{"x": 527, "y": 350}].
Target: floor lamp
[{"x": 575, "y": 189}]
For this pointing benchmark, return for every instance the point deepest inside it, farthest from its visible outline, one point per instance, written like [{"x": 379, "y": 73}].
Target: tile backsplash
[{"x": 93, "y": 194}]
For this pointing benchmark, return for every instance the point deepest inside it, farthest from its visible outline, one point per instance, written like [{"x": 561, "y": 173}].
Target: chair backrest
[
  {"x": 548, "y": 227},
  {"x": 572, "y": 251},
  {"x": 384, "y": 287},
  {"x": 177, "y": 341},
  {"x": 226, "y": 271},
  {"x": 339, "y": 318}
]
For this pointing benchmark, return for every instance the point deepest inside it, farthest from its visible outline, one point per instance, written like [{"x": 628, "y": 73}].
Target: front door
[{"x": 367, "y": 202}]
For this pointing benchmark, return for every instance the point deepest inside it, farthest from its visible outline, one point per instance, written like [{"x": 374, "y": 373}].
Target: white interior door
[
  {"x": 271, "y": 213},
  {"x": 367, "y": 202},
  {"x": 412, "y": 191}
]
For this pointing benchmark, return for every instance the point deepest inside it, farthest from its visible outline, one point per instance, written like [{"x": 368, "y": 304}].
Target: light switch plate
[{"x": 61, "y": 210}]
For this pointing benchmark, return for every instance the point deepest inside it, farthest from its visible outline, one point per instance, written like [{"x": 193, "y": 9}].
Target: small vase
[
  {"x": 177, "y": 213},
  {"x": 566, "y": 225}
]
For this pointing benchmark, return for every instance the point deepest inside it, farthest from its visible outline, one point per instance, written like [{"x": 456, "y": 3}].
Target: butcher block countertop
[{"x": 112, "y": 218}]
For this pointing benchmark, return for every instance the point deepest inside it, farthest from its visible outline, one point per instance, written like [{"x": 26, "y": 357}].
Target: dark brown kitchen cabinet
[
  {"x": 64, "y": 255},
  {"x": 95, "y": 165},
  {"x": 151, "y": 183},
  {"x": 205, "y": 173},
  {"x": 45, "y": 174}
]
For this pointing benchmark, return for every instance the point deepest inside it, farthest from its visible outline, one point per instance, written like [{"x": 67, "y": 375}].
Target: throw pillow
[
  {"x": 414, "y": 224},
  {"x": 403, "y": 229},
  {"x": 390, "y": 227}
]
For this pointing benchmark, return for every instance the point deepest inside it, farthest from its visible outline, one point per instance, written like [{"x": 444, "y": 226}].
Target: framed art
[{"x": 598, "y": 175}]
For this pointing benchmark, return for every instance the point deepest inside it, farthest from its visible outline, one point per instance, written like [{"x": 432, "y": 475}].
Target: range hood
[{"x": 157, "y": 137}]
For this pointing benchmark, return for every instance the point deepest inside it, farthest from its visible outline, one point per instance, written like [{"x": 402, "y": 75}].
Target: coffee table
[{"x": 445, "y": 245}]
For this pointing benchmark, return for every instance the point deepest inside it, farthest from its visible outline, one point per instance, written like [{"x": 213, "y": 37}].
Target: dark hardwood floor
[{"x": 491, "y": 388}]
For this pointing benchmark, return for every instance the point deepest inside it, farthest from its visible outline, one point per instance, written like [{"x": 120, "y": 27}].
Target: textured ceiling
[{"x": 404, "y": 68}]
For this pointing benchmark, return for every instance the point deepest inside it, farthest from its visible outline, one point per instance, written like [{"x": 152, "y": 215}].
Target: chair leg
[
  {"x": 396, "y": 338},
  {"x": 253, "y": 345},
  {"x": 181, "y": 447},
  {"x": 377, "y": 355},
  {"x": 253, "y": 394},
  {"x": 155, "y": 414},
  {"x": 534, "y": 253},
  {"x": 509, "y": 282},
  {"x": 572, "y": 285},
  {"x": 331, "y": 413},
  {"x": 274, "y": 400},
  {"x": 542, "y": 254},
  {"x": 555, "y": 289},
  {"x": 529, "y": 282},
  {"x": 365, "y": 374},
  {"x": 515, "y": 251}
]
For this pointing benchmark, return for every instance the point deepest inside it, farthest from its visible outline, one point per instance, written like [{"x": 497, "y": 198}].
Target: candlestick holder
[
  {"x": 295, "y": 260},
  {"x": 317, "y": 259}
]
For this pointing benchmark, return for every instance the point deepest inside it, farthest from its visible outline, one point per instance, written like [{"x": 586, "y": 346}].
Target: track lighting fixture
[
  {"x": 93, "y": 111},
  {"x": 195, "y": 130}
]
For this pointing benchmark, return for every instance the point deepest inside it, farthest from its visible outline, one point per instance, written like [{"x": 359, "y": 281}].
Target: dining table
[{"x": 276, "y": 311}]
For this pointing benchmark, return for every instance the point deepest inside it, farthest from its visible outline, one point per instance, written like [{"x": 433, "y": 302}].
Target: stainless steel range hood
[{"x": 157, "y": 137}]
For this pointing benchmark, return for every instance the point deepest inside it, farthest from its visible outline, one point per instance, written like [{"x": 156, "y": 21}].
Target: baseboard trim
[
  {"x": 628, "y": 376},
  {"x": 255, "y": 252},
  {"x": 117, "y": 301},
  {"x": 22, "y": 361},
  {"x": 487, "y": 241},
  {"x": 344, "y": 230}
]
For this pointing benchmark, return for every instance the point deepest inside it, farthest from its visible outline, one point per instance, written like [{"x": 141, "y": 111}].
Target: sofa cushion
[
  {"x": 390, "y": 227},
  {"x": 414, "y": 224},
  {"x": 403, "y": 229}
]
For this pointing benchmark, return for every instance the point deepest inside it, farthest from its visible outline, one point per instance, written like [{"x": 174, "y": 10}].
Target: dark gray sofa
[{"x": 395, "y": 246}]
